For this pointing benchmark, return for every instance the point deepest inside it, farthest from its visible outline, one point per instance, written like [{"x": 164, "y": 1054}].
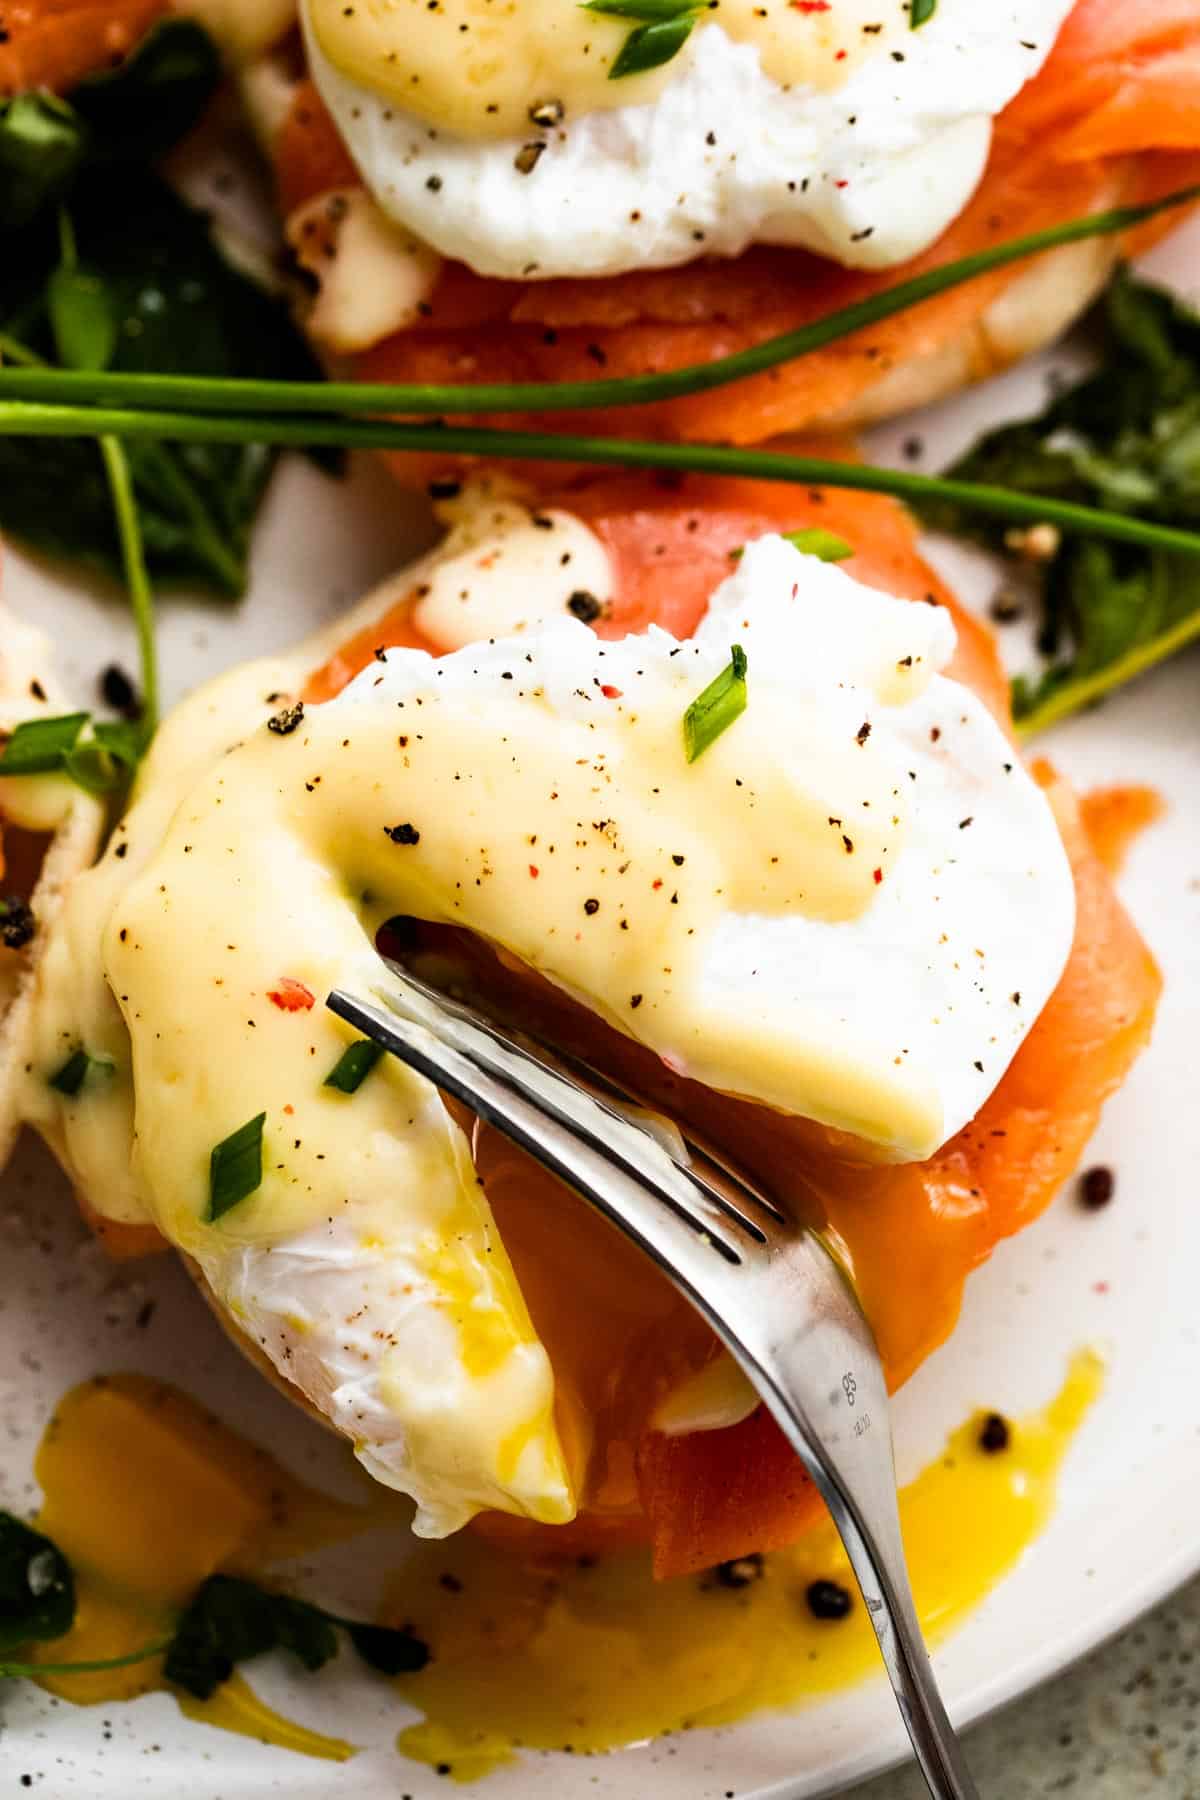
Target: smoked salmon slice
[
  {"x": 56, "y": 43},
  {"x": 911, "y": 1234}
]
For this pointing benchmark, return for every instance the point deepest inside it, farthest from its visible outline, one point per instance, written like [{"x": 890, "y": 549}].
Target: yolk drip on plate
[{"x": 147, "y": 1495}]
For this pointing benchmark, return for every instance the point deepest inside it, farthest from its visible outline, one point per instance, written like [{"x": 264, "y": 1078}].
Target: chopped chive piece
[
  {"x": 40, "y": 746},
  {"x": 816, "y": 541},
  {"x": 715, "y": 710},
  {"x": 650, "y": 46},
  {"x": 812, "y": 540},
  {"x": 921, "y": 11},
  {"x": 647, "y": 12},
  {"x": 235, "y": 1170},
  {"x": 75, "y": 1071},
  {"x": 353, "y": 1066},
  {"x": 665, "y": 27}
]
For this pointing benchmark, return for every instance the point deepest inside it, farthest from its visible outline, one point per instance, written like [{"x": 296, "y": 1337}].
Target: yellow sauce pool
[{"x": 147, "y": 1494}]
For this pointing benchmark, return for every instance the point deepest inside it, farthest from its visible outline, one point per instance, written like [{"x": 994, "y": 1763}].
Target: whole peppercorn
[
  {"x": 285, "y": 722},
  {"x": 1096, "y": 1187},
  {"x": 995, "y": 1433},
  {"x": 828, "y": 1600},
  {"x": 17, "y": 923}
]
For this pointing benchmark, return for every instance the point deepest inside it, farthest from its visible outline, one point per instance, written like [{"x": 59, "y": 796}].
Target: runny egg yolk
[
  {"x": 148, "y": 1494},
  {"x": 493, "y": 68}
]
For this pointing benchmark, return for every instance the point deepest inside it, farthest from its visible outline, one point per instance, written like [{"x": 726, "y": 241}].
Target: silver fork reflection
[{"x": 767, "y": 1286}]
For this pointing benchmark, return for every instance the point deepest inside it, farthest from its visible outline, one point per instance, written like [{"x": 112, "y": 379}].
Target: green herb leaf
[
  {"x": 34, "y": 1671},
  {"x": 69, "y": 1079},
  {"x": 921, "y": 11},
  {"x": 650, "y": 46},
  {"x": 42, "y": 143},
  {"x": 816, "y": 541},
  {"x": 235, "y": 1168},
  {"x": 648, "y": 12},
  {"x": 665, "y": 28},
  {"x": 715, "y": 710},
  {"x": 173, "y": 306},
  {"x": 813, "y": 540},
  {"x": 101, "y": 762},
  {"x": 104, "y": 762},
  {"x": 353, "y": 1066},
  {"x": 82, "y": 317},
  {"x": 1127, "y": 439},
  {"x": 37, "y": 1589},
  {"x": 230, "y": 1621},
  {"x": 41, "y": 746}
]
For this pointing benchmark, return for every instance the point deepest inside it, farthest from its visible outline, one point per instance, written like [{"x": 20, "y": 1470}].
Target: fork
[{"x": 768, "y": 1287}]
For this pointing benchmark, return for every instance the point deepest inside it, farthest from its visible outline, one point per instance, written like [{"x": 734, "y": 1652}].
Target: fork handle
[{"x": 869, "y": 1526}]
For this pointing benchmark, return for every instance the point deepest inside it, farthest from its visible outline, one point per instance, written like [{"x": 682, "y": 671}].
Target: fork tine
[
  {"x": 719, "y": 1184},
  {"x": 612, "y": 1161}
]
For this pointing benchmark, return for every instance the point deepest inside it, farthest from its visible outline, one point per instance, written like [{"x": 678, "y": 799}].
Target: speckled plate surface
[{"x": 1125, "y": 1530}]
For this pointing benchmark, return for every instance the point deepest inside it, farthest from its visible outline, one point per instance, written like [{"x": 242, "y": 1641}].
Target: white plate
[{"x": 1125, "y": 1530}]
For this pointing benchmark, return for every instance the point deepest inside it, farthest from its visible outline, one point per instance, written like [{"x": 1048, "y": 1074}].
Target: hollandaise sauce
[
  {"x": 482, "y": 69},
  {"x": 147, "y": 1494}
]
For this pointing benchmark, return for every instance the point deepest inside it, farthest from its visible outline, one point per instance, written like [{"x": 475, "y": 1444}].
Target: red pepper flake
[
  {"x": 810, "y": 6},
  {"x": 840, "y": 57},
  {"x": 1100, "y": 1287},
  {"x": 878, "y": 877},
  {"x": 533, "y": 871},
  {"x": 609, "y": 691},
  {"x": 656, "y": 885},
  {"x": 292, "y": 996},
  {"x": 841, "y": 184}
]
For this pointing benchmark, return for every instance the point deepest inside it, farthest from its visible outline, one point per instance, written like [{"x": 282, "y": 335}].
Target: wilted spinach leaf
[
  {"x": 162, "y": 299},
  {"x": 37, "y": 1589},
  {"x": 231, "y": 1620},
  {"x": 142, "y": 108},
  {"x": 42, "y": 142},
  {"x": 82, "y": 317},
  {"x": 1126, "y": 439},
  {"x": 178, "y": 308},
  {"x": 128, "y": 114},
  {"x": 228, "y": 1621}
]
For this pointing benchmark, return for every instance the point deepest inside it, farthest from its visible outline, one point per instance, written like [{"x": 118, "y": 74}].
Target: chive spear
[
  {"x": 216, "y": 394},
  {"x": 25, "y": 419}
]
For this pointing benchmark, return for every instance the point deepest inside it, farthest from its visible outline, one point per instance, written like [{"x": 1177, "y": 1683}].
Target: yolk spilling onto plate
[{"x": 148, "y": 1494}]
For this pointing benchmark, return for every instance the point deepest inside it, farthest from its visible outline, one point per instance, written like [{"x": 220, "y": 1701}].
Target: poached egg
[
  {"x": 851, "y": 906},
  {"x": 494, "y": 134}
]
